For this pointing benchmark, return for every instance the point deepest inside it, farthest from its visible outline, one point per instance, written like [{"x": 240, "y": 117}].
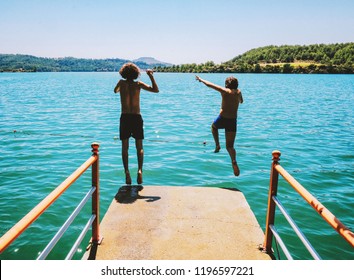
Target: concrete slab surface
[{"x": 180, "y": 223}]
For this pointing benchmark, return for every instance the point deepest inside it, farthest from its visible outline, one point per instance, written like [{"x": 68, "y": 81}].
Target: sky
[{"x": 180, "y": 31}]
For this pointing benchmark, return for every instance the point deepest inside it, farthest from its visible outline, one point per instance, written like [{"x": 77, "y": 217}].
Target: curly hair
[
  {"x": 231, "y": 83},
  {"x": 129, "y": 71}
]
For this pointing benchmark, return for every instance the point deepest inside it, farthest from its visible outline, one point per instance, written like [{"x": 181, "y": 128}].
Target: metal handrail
[
  {"x": 281, "y": 242},
  {"x": 80, "y": 238},
  {"x": 297, "y": 230},
  {"x": 273, "y": 201},
  {"x": 12, "y": 234},
  {"x": 65, "y": 226}
]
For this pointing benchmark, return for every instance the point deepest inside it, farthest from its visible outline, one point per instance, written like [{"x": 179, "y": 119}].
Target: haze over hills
[{"x": 151, "y": 61}]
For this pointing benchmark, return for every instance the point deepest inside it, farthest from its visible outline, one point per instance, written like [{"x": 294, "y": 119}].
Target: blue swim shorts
[{"x": 230, "y": 125}]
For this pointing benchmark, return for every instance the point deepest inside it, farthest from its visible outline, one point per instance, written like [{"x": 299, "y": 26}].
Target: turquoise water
[{"x": 49, "y": 120}]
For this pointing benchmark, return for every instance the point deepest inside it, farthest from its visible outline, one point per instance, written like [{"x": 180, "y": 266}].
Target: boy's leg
[
  {"x": 230, "y": 140},
  {"x": 125, "y": 157},
  {"x": 140, "y": 155},
  {"x": 215, "y": 133}
]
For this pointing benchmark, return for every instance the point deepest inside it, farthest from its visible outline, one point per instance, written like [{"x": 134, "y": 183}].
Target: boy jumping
[
  {"x": 227, "y": 119},
  {"x": 131, "y": 122}
]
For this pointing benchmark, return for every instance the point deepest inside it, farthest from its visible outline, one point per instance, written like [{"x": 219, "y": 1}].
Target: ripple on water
[{"x": 46, "y": 136}]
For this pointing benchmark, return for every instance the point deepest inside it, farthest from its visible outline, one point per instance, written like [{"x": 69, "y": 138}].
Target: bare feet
[
  {"x": 235, "y": 168},
  {"x": 217, "y": 149},
  {"x": 140, "y": 177},
  {"x": 128, "y": 179}
]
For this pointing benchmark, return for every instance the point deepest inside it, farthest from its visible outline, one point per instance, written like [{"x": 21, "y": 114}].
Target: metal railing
[
  {"x": 38, "y": 210},
  {"x": 273, "y": 201}
]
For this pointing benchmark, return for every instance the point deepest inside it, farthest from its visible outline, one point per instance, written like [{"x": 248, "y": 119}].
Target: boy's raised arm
[
  {"x": 154, "y": 87},
  {"x": 211, "y": 85}
]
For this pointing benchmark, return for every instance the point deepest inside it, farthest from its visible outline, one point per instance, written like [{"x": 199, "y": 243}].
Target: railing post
[
  {"x": 273, "y": 188},
  {"x": 96, "y": 194}
]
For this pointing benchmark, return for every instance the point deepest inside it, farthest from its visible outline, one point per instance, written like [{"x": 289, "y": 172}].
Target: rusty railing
[
  {"x": 273, "y": 201},
  {"x": 38, "y": 210}
]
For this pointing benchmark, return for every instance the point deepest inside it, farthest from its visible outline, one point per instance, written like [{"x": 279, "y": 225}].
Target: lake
[{"x": 49, "y": 120}]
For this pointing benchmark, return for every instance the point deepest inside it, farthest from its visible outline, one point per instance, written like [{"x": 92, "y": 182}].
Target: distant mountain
[
  {"x": 151, "y": 61},
  {"x": 29, "y": 63}
]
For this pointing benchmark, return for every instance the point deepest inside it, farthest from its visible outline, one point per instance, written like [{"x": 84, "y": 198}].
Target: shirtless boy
[
  {"x": 131, "y": 122},
  {"x": 227, "y": 119}
]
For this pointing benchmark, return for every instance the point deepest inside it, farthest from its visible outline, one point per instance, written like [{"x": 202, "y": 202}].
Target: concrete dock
[{"x": 180, "y": 223}]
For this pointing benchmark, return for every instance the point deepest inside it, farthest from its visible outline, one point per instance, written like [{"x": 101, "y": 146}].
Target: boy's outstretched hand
[{"x": 149, "y": 72}]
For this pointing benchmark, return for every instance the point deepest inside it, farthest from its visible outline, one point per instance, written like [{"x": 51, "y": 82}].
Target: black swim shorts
[
  {"x": 131, "y": 125},
  {"x": 230, "y": 125}
]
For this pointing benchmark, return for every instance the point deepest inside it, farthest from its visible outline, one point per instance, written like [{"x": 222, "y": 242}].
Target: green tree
[{"x": 287, "y": 68}]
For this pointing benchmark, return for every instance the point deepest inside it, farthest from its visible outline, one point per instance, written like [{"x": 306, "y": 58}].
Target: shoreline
[{"x": 225, "y": 72}]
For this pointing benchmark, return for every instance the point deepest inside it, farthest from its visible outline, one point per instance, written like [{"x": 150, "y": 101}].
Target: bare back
[
  {"x": 129, "y": 96},
  {"x": 231, "y": 99},
  {"x": 230, "y": 102},
  {"x": 130, "y": 93}
]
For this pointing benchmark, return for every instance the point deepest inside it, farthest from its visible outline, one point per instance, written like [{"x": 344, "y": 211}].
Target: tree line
[
  {"x": 29, "y": 63},
  {"x": 318, "y": 58}
]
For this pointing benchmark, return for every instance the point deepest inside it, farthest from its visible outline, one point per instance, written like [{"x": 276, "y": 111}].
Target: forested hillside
[
  {"x": 332, "y": 58},
  {"x": 321, "y": 58},
  {"x": 29, "y": 63},
  {"x": 336, "y": 54}
]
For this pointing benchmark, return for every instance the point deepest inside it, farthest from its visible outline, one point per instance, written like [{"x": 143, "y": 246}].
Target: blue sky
[{"x": 179, "y": 31}]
